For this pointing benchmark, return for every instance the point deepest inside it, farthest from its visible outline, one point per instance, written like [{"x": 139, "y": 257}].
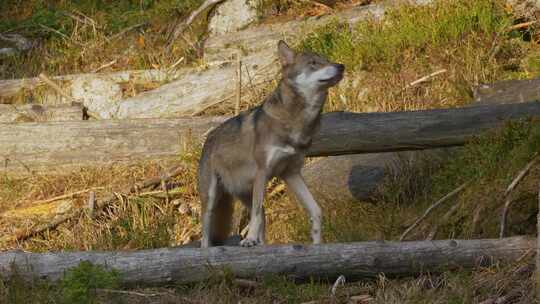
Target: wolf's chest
[{"x": 276, "y": 154}]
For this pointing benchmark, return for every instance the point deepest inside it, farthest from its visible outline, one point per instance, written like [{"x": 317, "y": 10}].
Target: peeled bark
[
  {"x": 39, "y": 113},
  {"x": 327, "y": 261}
]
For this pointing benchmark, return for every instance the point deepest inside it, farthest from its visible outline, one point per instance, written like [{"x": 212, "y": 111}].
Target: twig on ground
[
  {"x": 444, "y": 219},
  {"x": 127, "y": 292},
  {"x": 91, "y": 206},
  {"x": 106, "y": 65},
  {"x": 67, "y": 195},
  {"x": 180, "y": 28},
  {"x": 431, "y": 208},
  {"x": 425, "y": 78},
  {"x": 56, "y": 87},
  {"x": 127, "y": 29},
  {"x": 522, "y": 25},
  {"x": 175, "y": 64},
  {"x": 23, "y": 234},
  {"x": 339, "y": 281},
  {"x": 509, "y": 190}
]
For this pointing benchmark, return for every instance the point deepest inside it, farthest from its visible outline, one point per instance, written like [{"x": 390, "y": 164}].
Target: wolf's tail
[{"x": 216, "y": 215}]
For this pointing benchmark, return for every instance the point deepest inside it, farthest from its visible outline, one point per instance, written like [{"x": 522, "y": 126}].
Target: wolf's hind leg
[{"x": 297, "y": 185}]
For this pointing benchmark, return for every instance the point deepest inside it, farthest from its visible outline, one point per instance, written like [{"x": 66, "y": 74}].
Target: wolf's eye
[{"x": 313, "y": 62}]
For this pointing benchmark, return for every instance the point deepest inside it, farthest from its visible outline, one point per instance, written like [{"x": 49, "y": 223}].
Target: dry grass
[
  {"x": 468, "y": 39},
  {"x": 84, "y": 36},
  {"x": 151, "y": 221}
]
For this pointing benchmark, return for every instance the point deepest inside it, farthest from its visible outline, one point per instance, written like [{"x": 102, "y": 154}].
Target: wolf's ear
[{"x": 286, "y": 54}]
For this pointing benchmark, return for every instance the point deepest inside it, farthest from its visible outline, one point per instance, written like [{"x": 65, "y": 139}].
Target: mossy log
[{"x": 326, "y": 261}]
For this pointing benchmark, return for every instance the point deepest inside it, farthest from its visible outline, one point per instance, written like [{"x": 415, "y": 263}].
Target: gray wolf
[{"x": 241, "y": 155}]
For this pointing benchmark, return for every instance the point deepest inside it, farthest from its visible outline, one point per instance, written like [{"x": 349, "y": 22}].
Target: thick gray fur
[{"x": 241, "y": 155}]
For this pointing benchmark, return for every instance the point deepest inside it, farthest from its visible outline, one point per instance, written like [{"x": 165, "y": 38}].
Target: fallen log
[
  {"x": 198, "y": 90},
  {"x": 41, "y": 146},
  {"x": 194, "y": 90},
  {"x": 264, "y": 37},
  {"x": 33, "y": 147},
  {"x": 11, "y": 87},
  {"x": 352, "y": 133},
  {"x": 39, "y": 113},
  {"x": 358, "y": 177},
  {"x": 326, "y": 261},
  {"x": 508, "y": 91}
]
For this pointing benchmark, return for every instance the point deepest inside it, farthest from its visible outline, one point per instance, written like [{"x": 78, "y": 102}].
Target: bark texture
[
  {"x": 39, "y": 113},
  {"x": 354, "y": 260},
  {"x": 47, "y": 146},
  {"x": 37, "y": 146}
]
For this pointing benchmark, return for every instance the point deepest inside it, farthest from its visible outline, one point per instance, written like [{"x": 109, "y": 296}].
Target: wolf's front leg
[
  {"x": 208, "y": 215},
  {"x": 297, "y": 185},
  {"x": 257, "y": 221}
]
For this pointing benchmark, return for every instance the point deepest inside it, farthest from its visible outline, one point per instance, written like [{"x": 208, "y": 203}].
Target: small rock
[
  {"x": 184, "y": 209},
  {"x": 233, "y": 15},
  {"x": 98, "y": 95},
  {"x": 360, "y": 299}
]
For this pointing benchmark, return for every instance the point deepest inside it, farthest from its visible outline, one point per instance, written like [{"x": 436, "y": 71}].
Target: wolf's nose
[{"x": 340, "y": 68}]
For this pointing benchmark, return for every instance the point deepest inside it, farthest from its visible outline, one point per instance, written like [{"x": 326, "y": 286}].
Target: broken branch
[{"x": 431, "y": 208}]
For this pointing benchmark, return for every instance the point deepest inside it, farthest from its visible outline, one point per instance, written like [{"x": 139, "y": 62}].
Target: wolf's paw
[{"x": 249, "y": 242}]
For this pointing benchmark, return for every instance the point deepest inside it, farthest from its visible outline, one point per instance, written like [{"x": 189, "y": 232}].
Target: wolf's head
[{"x": 308, "y": 73}]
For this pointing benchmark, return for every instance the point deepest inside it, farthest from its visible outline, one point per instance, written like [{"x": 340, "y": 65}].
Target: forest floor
[{"x": 475, "y": 42}]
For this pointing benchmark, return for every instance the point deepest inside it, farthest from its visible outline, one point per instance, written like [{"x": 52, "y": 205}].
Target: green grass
[
  {"x": 78, "y": 285},
  {"x": 79, "y": 282},
  {"x": 78, "y": 36},
  {"x": 469, "y": 39},
  {"x": 408, "y": 29},
  {"x": 491, "y": 162}
]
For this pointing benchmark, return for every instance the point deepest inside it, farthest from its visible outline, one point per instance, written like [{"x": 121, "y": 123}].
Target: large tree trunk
[
  {"x": 35, "y": 146},
  {"x": 353, "y": 260},
  {"x": 39, "y": 113}
]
